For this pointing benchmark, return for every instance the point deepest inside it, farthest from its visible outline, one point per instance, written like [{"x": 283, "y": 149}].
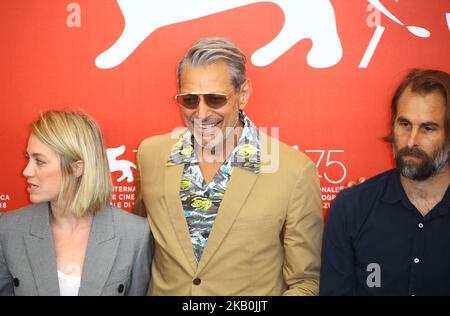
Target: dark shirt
[{"x": 376, "y": 242}]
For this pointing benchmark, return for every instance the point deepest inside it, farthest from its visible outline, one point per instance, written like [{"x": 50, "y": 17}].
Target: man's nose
[
  {"x": 413, "y": 138},
  {"x": 203, "y": 109}
]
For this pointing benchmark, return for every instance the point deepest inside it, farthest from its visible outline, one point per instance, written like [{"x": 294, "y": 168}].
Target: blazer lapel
[
  {"x": 239, "y": 187},
  {"x": 41, "y": 252},
  {"x": 172, "y": 182},
  {"x": 100, "y": 255}
]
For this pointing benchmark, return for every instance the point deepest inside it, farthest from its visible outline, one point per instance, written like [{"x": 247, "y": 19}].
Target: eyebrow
[{"x": 35, "y": 155}]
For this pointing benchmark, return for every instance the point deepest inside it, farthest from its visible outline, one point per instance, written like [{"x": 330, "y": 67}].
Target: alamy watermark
[{"x": 374, "y": 277}]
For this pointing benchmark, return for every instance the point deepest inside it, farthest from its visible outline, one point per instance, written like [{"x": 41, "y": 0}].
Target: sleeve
[
  {"x": 141, "y": 270},
  {"x": 303, "y": 235},
  {"x": 6, "y": 280},
  {"x": 337, "y": 275}
]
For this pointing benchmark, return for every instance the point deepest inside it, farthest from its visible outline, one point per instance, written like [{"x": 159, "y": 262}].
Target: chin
[
  {"x": 35, "y": 200},
  {"x": 206, "y": 142},
  {"x": 38, "y": 199}
]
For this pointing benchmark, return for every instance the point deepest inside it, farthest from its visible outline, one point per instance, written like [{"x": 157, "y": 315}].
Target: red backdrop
[{"x": 337, "y": 112}]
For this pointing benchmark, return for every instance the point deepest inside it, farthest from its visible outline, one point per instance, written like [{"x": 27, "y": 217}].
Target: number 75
[{"x": 329, "y": 163}]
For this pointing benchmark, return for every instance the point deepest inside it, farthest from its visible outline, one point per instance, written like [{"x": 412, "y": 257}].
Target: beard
[{"x": 426, "y": 167}]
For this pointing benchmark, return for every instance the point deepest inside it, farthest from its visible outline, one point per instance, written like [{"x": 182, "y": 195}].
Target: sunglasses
[{"x": 192, "y": 100}]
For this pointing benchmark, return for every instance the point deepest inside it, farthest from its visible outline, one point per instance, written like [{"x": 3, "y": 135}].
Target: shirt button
[
  {"x": 416, "y": 260},
  {"x": 197, "y": 281},
  {"x": 420, "y": 225},
  {"x": 16, "y": 282},
  {"x": 121, "y": 288}
]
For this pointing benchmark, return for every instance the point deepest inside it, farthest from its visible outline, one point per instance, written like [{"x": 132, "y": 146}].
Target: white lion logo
[
  {"x": 120, "y": 165},
  {"x": 313, "y": 19}
]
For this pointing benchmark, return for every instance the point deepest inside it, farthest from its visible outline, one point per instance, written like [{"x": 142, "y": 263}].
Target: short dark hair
[{"x": 423, "y": 81}]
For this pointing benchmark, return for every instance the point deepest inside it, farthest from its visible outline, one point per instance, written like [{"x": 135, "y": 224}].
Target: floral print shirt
[{"x": 201, "y": 201}]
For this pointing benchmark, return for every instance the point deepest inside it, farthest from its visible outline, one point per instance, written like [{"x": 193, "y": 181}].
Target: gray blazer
[{"x": 117, "y": 261}]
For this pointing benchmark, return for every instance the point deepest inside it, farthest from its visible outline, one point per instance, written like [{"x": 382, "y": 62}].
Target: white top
[{"x": 68, "y": 284}]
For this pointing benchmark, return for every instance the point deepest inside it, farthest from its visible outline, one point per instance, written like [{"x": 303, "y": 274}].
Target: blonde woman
[{"x": 71, "y": 241}]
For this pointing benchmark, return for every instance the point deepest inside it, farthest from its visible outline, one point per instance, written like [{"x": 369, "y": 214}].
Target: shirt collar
[
  {"x": 246, "y": 154},
  {"x": 394, "y": 192},
  {"x": 445, "y": 202}
]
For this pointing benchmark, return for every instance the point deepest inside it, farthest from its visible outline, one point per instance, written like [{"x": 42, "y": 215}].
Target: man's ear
[
  {"x": 244, "y": 94},
  {"x": 78, "y": 168}
]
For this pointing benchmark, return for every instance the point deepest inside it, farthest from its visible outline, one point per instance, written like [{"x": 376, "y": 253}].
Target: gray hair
[{"x": 212, "y": 49}]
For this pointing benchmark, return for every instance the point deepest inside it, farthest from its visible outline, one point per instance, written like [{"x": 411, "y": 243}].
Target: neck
[
  {"x": 428, "y": 192},
  {"x": 431, "y": 186},
  {"x": 66, "y": 220}
]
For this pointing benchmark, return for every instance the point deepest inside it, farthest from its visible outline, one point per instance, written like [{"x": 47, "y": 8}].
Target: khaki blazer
[{"x": 266, "y": 239}]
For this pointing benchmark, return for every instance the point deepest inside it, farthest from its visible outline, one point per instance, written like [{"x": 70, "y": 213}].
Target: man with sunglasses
[{"x": 225, "y": 221}]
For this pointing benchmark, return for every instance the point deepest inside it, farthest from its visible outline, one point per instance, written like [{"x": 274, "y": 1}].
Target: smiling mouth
[
  {"x": 204, "y": 126},
  {"x": 206, "y": 129}
]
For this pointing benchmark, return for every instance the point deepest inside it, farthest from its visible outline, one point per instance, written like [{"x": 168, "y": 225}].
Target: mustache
[{"x": 414, "y": 152}]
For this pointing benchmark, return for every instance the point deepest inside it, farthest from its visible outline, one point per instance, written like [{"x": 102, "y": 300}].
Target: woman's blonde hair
[{"x": 74, "y": 136}]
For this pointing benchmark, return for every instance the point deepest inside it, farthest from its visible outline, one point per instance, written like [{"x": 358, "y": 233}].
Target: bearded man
[{"x": 391, "y": 234}]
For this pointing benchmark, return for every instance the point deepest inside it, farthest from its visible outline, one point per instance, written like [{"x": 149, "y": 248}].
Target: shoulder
[
  {"x": 167, "y": 139},
  {"x": 293, "y": 156},
  {"x": 368, "y": 189},
  {"x": 358, "y": 201},
  {"x": 129, "y": 224},
  {"x": 20, "y": 219},
  {"x": 283, "y": 159},
  {"x": 156, "y": 148}
]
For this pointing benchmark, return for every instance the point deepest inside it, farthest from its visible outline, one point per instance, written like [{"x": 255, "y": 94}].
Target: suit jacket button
[
  {"x": 197, "y": 281},
  {"x": 16, "y": 282},
  {"x": 121, "y": 288}
]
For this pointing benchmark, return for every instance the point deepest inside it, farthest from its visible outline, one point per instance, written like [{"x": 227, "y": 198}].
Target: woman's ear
[{"x": 78, "y": 168}]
